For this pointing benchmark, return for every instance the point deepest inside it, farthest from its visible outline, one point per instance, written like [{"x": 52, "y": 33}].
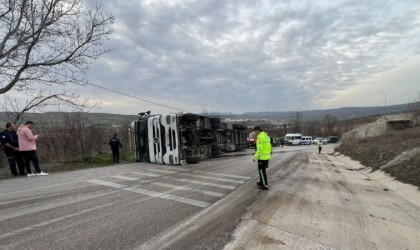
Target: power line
[{"x": 134, "y": 97}]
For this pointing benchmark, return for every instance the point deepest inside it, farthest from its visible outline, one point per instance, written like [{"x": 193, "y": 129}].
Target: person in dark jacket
[
  {"x": 115, "y": 147},
  {"x": 10, "y": 143}
]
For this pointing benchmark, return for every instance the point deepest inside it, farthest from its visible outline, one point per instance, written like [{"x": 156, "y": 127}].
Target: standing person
[
  {"x": 262, "y": 155},
  {"x": 282, "y": 142},
  {"x": 10, "y": 142},
  {"x": 319, "y": 143},
  {"x": 115, "y": 147},
  {"x": 27, "y": 146}
]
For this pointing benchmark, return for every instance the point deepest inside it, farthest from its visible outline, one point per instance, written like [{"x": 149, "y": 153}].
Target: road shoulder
[{"x": 327, "y": 203}]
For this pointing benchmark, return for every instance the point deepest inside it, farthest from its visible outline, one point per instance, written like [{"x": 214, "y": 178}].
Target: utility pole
[{"x": 385, "y": 93}]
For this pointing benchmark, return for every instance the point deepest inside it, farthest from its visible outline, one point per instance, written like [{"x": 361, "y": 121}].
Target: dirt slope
[{"x": 377, "y": 151}]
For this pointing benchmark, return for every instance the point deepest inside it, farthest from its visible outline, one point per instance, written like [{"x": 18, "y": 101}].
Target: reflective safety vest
[
  {"x": 319, "y": 143},
  {"x": 263, "y": 147}
]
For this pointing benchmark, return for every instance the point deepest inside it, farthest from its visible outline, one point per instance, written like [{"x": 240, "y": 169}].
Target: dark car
[{"x": 332, "y": 139}]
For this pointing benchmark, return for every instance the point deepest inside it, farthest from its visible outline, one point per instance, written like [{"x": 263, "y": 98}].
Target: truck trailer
[{"x": 183, "y": 138}]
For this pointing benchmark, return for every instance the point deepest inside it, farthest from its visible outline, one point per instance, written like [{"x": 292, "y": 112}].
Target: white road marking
[
  {"x": 162, "y": 171},
  {"x": 168, "y": 197},
  {"x": 225, "y": 175},
  {"x": 214, "y": 178},
  {"x": 146, "y": 174},
  {"x": 44, "y": 223},
  {"x": 152, "y": 193},
  {"x": 122, "y": 177},
  {"x": 184, "y": 188},
  {"x": 201, "y": 183},
  {"x": 31, "y": 189},
  {"x": 176, "y": 168},
  {"x": 107, "y": 183}
]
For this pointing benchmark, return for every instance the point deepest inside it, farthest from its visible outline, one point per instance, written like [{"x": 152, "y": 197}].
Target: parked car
[
  {"x": 277, "y": 142},
  {"x": 324, "y": 140},
  {"x": 252, "y": 140},
  {"x": 332, "y": 139}
]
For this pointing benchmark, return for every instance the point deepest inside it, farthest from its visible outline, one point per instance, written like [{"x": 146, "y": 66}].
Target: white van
[
  {"x": 293, "y": 139},
  {"x": 306, "y": 140}
]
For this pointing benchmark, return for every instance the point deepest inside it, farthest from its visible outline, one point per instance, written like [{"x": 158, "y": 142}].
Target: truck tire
[
  {"x": 215, "y": 120},
  {"x": 215, "y": 148},
  {"x": 193, "y": 159},
  {"x": 215, "y": 125},
  {"x": 216, "y": 153},
  {"x": 239, "y": 127},
  {"x": 190, "y": 117}
]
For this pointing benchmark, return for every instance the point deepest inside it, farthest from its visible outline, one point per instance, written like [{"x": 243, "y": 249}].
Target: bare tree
[
  {"x": 330, "y": 122},
  {"x": 210, "y": 112},
  {"x": 296, "y": 121},
  {"x": 15, "y": 110},
  {"x": 414, "y": 110},
  {"x": 49, "y": 42},
  {"x": 311, "y": 127}
]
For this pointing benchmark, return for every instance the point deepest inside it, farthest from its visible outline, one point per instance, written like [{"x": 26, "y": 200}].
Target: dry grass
[
  {"x": 97, "y": 161},
  {"x": 377, "y": 151},
  {"x": 408, "y": 172}
]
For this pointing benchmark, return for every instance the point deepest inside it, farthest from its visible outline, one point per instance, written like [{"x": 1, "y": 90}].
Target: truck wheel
[
  {"x": 215, "y": 125},
  {"x": 193, "y": 159},
  {"x": 215, "y": 120},
  {"x": 239, "y": 127},
  {"x": 190, "y": 117},
  {"x": 215, "y": 148},
  {"x": 216, "y": 153}
]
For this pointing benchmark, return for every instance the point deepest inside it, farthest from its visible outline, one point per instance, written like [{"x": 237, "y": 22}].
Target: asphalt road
[{"x": 132, "y": 206}]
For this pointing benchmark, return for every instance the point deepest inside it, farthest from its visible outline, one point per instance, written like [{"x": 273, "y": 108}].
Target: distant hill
[
  {"x": 102, "y": 119},
  {"x": 340, "y": 113},
  {"x": 105, "y": 119}
]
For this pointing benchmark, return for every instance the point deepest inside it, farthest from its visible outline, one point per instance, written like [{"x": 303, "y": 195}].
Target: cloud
[{"x": 239, "y": 56}]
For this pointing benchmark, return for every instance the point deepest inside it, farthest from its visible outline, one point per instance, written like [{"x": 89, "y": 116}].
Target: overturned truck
[{"x": 183, "y": 138}]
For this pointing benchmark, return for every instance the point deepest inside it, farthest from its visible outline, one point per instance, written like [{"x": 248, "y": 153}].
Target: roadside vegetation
[
  {"x": 377, "y": 151},
  {"x": 96, "y": 161},
  {"x": 72, "y": 142}
]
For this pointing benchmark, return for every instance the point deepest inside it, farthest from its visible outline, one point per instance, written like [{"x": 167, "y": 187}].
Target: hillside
[
  {"x": 341, "y": 113},
  {"x": 101, "y": 119},
  {"x": 377, "y": 151}
]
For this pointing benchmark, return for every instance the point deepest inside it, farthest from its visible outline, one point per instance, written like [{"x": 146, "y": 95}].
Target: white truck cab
[{"x": 183, "y": 138}]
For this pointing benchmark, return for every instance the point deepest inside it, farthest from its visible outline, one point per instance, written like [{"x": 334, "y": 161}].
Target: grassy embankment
[
  {"x": 101, "y": 160},
  {"x": 377, "y": 151}
]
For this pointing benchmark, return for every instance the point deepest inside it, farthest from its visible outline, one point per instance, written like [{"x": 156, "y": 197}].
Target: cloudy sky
[{"x": 255, "y": 55}]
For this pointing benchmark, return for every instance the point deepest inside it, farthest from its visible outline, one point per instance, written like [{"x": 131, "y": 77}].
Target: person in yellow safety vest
[
  {"x": 319, "y": 143},
  {"x": 262, "y": 155}
]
